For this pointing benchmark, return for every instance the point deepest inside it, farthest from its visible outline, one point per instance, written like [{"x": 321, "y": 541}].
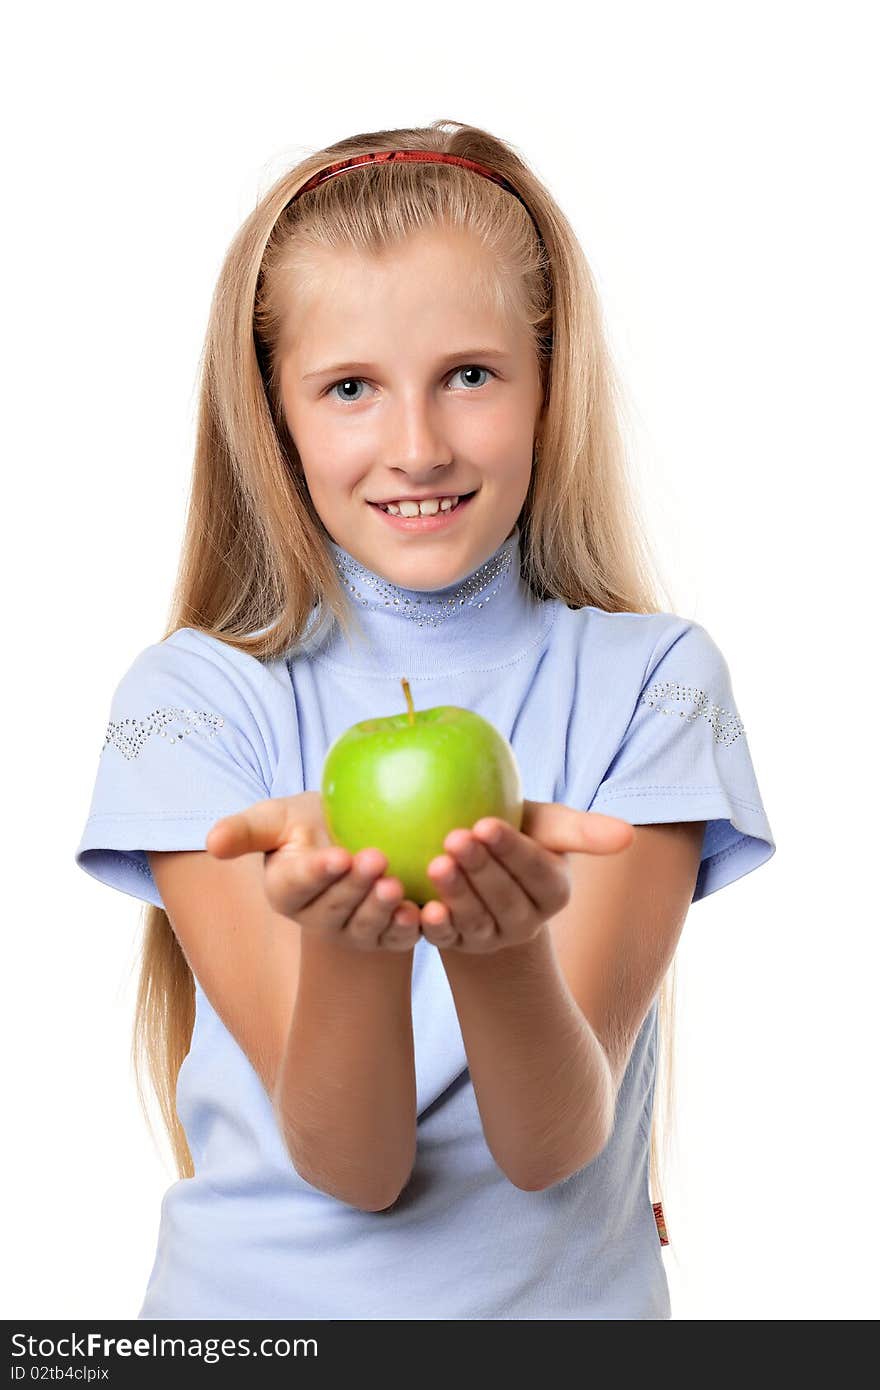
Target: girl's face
[{"x": 396, "y": 382}]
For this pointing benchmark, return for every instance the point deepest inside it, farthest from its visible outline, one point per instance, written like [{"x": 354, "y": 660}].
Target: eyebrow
[{"x": 466, "y": 355}]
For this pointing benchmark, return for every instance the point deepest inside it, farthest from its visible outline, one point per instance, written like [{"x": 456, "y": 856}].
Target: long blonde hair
[{"x": 254, "y": 560}]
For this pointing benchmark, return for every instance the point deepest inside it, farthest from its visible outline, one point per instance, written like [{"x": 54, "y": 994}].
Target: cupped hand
[
  {"x": 499, "y": 886},
  {"x": 343, "y": 898}
]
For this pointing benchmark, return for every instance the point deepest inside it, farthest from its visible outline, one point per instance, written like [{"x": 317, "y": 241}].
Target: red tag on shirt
[{"x": 661, "y": 1224}]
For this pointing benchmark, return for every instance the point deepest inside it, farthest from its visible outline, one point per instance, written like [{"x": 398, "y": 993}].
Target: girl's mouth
[{"x": 437, "y": 522}]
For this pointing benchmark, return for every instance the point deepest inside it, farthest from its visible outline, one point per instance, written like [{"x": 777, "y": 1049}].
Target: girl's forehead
[
  {"x": 394, "y": 278},
  {"x": 450, "y": 261},
  {"x": 337, "y": 332},
  {"x": 352, "y": 287},
  {"x": 445, "y": 288}
]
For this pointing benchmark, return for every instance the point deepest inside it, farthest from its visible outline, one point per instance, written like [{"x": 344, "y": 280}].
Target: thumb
[
  {"x": 264, "y": 827},
  {"x": 563, "y": 829}
]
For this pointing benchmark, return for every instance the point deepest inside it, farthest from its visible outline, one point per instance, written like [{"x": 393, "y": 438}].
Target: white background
[{"x": 718, "y": 164}]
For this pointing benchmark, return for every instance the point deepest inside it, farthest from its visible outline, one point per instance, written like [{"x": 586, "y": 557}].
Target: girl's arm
[
  {"x": 346, "y": 1090},
  {"x": 540, "y": 1074},
  {"x": 328, "y": 1030},
  {"x": 344, "y": 1085},
  {"x": 549, "y": 1025}
]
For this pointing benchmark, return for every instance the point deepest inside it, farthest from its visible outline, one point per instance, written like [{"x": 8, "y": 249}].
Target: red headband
[{"x": 417, "y": 156}]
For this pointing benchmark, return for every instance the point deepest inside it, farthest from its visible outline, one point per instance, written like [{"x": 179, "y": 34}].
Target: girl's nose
[{"x": 415, "y": 441}]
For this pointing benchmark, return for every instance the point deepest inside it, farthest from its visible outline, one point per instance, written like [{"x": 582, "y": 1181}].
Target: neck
[{"x": 487, "y": 618}]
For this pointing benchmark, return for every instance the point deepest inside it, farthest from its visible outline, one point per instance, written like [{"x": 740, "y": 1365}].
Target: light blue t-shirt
[{"x": 627, "y": 713}]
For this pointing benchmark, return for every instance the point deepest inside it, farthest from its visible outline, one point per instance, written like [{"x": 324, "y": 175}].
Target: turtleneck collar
[{"x": 488, "y": 618}]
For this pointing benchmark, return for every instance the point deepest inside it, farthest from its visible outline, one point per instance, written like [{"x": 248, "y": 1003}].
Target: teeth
[{"x": 429, "y": 506}]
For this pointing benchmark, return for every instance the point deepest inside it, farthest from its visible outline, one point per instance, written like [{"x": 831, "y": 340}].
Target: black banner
[{"x": 126, "y": 1353}]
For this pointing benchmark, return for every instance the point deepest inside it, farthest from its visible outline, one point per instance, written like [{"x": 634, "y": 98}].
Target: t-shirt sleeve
[
  {"x": 685, "y": 756},
  {"x": 187, "y": 741}
]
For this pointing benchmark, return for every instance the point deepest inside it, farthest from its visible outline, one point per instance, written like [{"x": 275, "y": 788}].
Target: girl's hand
[
  {"x": 341, "y": 898},
  {"x": 499, "y": 885}
]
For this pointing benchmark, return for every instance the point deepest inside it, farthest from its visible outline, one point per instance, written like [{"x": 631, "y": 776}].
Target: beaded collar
[{"x": 488, "y": 617}]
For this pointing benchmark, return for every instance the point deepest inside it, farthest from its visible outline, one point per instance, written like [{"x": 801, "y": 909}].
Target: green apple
[{"x": 399, "y": 783}]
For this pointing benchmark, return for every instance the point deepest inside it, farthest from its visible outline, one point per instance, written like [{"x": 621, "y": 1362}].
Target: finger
[
  {"x": 376, "y": 915},
  {"x": 296, "y": 880},
  {"x": 508, "y": 897},
  {"x": 297, "y": 888},
  {"x": 265, "y": 826},
  {"x": 437, "y": 927},
  {"x": 563, "y": 828},
  {"x": 544, "y": 882},
  {"x": 404, "y": 930},
  {"x": 468, "y": 913}
]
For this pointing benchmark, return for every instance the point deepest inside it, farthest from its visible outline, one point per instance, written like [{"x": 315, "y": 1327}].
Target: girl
[{"x": 409, "y": 463}]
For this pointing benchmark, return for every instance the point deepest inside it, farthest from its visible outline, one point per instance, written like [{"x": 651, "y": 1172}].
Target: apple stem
[{"x": 409, "y": 700}]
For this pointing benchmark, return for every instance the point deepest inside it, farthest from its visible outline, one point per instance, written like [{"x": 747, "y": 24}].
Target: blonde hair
[{"x": 254, "y": 561}]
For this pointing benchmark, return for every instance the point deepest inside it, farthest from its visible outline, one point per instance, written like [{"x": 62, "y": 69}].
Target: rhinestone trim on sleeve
[
  {"x": 130, "y": 735},
  {"x": 726, "y": 724},
  {"x": 424, "y": 610}
]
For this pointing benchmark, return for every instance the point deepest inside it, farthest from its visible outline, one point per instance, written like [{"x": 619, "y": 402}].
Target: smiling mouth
[{"x": 441, "y": 511}]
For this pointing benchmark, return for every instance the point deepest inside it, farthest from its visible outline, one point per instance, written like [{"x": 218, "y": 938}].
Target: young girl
[{"x": 409, "y": 464}]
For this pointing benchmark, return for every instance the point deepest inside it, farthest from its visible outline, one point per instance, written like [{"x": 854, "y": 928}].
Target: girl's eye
[{"x": 354, "y": 380}]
